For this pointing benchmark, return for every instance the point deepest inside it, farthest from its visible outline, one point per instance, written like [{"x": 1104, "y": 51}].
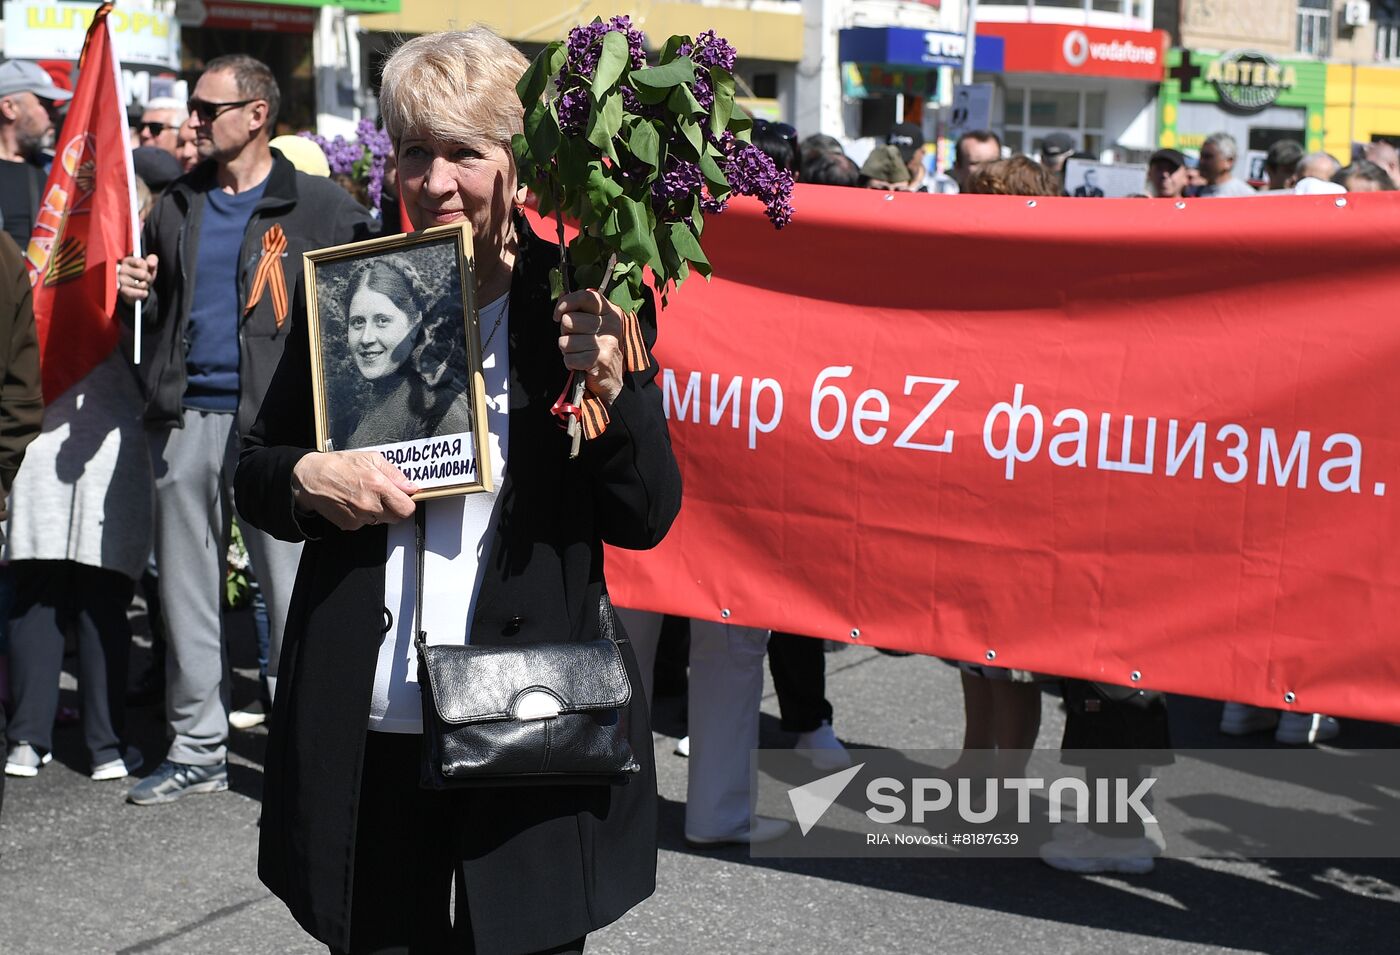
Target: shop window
[
  {"x": 765, "y": 85},
  {"x": 1094, "y": 109},
  {"x": 1015, "y": 107},
  {"x": 1388, "y": 39},
  {"x": 877, "y": 116},
  {"x": 1315, "y": 27},
  {"x": 1031, "y": 115},
  {"x": 1058, "y": 108}
]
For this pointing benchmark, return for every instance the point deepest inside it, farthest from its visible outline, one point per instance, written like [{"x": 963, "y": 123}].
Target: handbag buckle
[{"x": 536, "y": 705}]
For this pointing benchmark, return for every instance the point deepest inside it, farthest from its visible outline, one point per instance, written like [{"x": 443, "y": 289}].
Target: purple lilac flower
[
  {"x": 679, "y": 182},
  {"x": 751, "y": 173},
  {"x": 710, "y": 50},
  {"x": 582, "y": 48},
  {"x": 636, "y": 48},
  {"x": 704, "y": 91},
  {"x": 573, "y": 110}
]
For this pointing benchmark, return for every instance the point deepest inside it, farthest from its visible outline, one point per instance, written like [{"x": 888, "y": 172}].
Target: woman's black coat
[{"x": 545, "y": 864}]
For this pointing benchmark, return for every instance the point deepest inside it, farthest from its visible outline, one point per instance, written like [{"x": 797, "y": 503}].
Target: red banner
[
  {"x": 1145, "y": 442},
  {"x": 84, "y": 224}
]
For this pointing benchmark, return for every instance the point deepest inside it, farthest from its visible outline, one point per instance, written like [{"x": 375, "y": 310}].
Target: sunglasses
[
  {"x": 155, "y": 129},
  {"x": 208, "y": 112}
]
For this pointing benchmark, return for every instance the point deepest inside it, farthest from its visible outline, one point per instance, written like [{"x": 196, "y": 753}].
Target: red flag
[{"x": 86, "y": 222}]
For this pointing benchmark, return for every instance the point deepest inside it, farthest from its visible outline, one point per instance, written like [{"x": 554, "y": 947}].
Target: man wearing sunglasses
[
  {"x": 160, "y": 123},
  {"x": 221, "y": 243}
]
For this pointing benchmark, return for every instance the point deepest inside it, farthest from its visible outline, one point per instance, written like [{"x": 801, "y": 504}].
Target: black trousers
[
  {"x": 1104, "y": 717},
  {"x": 798, "y": 665},
  {"x": 51, "y": 598},
  {"x": 401, "y": 903}
]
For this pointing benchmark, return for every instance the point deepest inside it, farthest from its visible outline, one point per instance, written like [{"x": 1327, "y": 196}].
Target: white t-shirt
[{"x": 459, "y": 530}]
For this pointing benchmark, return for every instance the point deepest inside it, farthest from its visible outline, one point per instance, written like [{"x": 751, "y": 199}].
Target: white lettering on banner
[
  {"x": 822, "y": 391},
  {"x": 1197, "y": 437},
  {"x": 1237, "y": 452},
  {"x": 862, "y": 414},
  {"x": 670, "y": 398},
  {"x": 1297, "y": 455},
  {"x": 679, "y": 407},
  {"x": 1015, "y": 432},
  {"x": 906, "y": 438},
  {"x": 1126, "y": 463},
  {"x": 1080, "y": 437},
  {"x": 1352, "y": 461},
  {"x": 756, "y": 424},
  {"x": 873, "y": 406},
  {"x": 731, "y": 397},
  {"x": 1015, "y": 412},
  {"x": 1068, "y": 448}
]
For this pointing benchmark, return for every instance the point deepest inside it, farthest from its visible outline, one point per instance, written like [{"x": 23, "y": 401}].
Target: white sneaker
[
  {"x": 823, "y": 748},
  {"x": 130, "y": 762},
  {"x": 1085, "y": 851},
  {"x": 764, "y": 829},
  {"x": 248, "y": 717},
  {"x": 1071, "y": 830},
  {"x": 1303, "y": 729},
  {"x": 1241, "y": 719},
  {"x": 25, "y": 760},
  {"x": 683, "y": 747}
]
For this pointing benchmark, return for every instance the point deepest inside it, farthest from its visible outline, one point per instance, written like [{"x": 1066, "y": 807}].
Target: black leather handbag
[{"x": 532, "y": 714}]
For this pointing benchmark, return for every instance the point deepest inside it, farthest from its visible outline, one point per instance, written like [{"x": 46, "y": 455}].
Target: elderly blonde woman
[{"x": 364, "y": 858}]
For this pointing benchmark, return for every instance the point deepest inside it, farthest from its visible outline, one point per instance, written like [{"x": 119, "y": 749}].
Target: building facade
[
  {"x": 1090, "y": 68},
  {"x": 1323, "y": 72}
]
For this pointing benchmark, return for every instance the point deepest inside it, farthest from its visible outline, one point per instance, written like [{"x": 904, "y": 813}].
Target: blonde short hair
[{"x": 457, "y": 86}]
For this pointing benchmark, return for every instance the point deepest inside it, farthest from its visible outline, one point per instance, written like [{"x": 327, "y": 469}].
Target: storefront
[
  {"x": 1363, "y": 105},
  {"x": 892, "y": 72},
  {"x": 147, "y": 42},
  {"x": 1255, "y": 97},
  {"x": 315, "y": 77},
  {"x": 1099, "y": 85}
]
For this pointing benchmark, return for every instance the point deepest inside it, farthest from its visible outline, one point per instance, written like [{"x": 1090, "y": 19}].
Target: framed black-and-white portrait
[{"x": 396, "y": 356}]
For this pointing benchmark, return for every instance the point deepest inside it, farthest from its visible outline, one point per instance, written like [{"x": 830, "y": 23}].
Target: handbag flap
[{"x": 472, "y": 684}]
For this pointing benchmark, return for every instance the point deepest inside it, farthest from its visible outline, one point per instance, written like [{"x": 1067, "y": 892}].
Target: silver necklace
[{"x": 487, "y": 343}]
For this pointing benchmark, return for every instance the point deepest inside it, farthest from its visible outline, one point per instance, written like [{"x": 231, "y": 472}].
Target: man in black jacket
[{"x": 224, "y": 247}]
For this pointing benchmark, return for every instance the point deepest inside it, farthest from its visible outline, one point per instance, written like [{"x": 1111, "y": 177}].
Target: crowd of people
[{"x": 127, "y": 487}]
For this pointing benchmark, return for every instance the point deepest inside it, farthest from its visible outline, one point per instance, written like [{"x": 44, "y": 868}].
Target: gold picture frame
[{"x": 389, "y": 370}]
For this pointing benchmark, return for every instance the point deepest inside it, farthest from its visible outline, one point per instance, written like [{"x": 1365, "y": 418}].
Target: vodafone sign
[{"x": 1080, "y": 51}]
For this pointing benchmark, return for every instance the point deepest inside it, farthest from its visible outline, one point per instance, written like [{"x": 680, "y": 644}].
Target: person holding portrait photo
[{"x": 365, "y": 858}]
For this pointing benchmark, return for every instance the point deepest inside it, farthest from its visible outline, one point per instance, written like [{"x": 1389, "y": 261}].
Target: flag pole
[{"x": 130, "y": 180}]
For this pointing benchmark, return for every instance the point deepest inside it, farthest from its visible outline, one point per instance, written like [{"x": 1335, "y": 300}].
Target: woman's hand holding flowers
[{"x": 590, "y": 337}]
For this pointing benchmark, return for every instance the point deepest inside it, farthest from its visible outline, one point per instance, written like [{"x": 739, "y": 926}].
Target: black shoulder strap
[{"x": 420, "y": 522}]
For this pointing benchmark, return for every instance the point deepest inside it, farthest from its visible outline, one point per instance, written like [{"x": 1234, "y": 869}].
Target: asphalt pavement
[{"x": 83, "y": 872}]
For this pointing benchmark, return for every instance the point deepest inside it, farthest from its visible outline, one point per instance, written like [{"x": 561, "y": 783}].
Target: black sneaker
[{"x": 172, "y": 780}]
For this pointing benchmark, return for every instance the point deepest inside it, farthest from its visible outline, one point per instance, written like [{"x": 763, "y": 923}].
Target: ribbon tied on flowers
[
  {"x": 591, "y": 411},
  {"x": 270, "y": 276}
]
